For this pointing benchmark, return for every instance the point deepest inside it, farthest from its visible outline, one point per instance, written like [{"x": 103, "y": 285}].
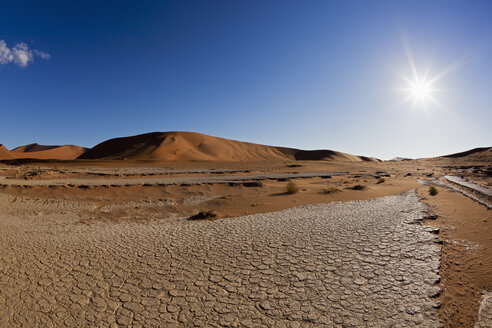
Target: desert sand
[
  {"x": 189, "y": 146},
  {"x": 36, "y": 151},
  {"x": 113, "y": 238},
  {"x": 5, "y": 154}
]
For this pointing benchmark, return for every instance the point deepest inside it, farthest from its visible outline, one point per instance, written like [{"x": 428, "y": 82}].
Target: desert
[
  {"x": 118, "y": 236},
  {"x": 261, "y": 164}
]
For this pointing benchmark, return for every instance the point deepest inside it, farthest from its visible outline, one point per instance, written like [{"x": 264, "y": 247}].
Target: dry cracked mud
[{"x": 351, "y": 264}]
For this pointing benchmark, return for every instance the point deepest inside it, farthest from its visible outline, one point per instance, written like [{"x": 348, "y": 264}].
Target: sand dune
[
  {"x": 190, "y": 146},
  {"x": 5, "y": 153},
  {"x": 32, "y": 148},
  {"x": 35, "y": 151},
  {"x": 483, "y": 154}
]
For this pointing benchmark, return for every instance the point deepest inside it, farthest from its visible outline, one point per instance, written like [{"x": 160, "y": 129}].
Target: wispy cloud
[{"x": 20, "y": 54}]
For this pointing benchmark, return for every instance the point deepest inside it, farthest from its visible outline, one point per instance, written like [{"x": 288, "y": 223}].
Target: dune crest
[
  {"x": 36, "y": 151},
  {"x": 32, "y": 148},
  {"x": 5, "y": 153},
  {"x": 483, "y": 154},
  {"x": 190, "y": 146}
]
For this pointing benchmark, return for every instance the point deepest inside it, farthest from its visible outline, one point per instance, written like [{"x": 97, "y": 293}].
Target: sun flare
[
  {"x": 420, "y": 86},
  {"x": 420, "y": 90}
]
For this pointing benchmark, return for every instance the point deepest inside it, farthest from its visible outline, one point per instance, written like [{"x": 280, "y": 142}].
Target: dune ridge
[
  {"x": 482, "y": 153},
  {"x": 179, "y": 146},
  {"x": 5, "y": 153},
  {"x": 34, "y": 147},
  {"x": 36, "y": 151}
]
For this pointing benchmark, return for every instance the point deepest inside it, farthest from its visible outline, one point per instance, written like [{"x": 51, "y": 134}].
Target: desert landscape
[
  {"x": 261, "y": 164},
  {"x": 184, "y": 229}
]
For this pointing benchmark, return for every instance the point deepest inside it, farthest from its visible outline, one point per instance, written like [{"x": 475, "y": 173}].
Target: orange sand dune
[
  {"x": 35, "y": 151},
  {"x": 190, "y": 146},
  {"x": 5, "y": 153},
  {"x": 32, "y": 148}
]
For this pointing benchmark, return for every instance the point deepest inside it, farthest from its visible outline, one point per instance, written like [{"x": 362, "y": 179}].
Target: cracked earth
[{"x": 351, "y": 264}]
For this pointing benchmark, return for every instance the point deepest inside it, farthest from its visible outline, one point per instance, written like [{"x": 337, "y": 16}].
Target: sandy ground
[
  {"x": 345, "y": 264},
  {"x": 96, "y": 212},
  {"x": 466, "y": 230}
]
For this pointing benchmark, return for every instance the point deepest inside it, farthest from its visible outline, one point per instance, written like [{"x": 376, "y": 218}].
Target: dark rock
[{"x": 253, "y": 184}]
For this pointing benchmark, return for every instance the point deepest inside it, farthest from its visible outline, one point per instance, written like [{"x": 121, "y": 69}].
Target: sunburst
[{"x": 421, "y": 88}]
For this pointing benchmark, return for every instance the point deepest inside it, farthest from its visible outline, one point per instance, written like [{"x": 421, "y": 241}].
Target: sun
[
  {"x": 420, "y": 90},
  {"x": 420, "y": 86}
]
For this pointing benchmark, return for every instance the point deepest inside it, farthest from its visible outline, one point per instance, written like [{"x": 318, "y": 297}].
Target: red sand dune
[
  {"x": 190, "y": 146},
  {"x": 5, "y": 153},
  {"x": 32, "y": 148},
  {"x": 35, "y": 151}
]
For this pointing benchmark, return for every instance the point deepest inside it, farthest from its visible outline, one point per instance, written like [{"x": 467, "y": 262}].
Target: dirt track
[{"x": 349, "y": 264}]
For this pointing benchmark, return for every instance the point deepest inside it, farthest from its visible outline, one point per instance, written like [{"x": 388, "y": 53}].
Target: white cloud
[
  {"x": 20, "y": 54},
  {"x": 5, "y": 53},
  {"x": 42, "y": 54}
]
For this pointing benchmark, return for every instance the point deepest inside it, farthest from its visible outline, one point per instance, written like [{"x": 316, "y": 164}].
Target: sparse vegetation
[
  {"x": 381, "y": 180},
  {"x": 292, "y": 188},
  {"x": 358, "y": 187},
  {"x": 330, "y": 190},
  {"x": 204, "y": 215},
  {"x": 433, "y": 191}
]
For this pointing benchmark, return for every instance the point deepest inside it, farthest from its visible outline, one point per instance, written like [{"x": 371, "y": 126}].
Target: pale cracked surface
[{"x": 354, "y": 264}]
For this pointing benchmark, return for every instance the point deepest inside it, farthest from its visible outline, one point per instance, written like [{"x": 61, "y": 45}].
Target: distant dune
[
  {"x": 478, "y": 154},
  {"x": 5, "y": 153},
  {"x": 399, "y": 159},
  {"x": 32, "y": 148},
  {"x": 36, "y": 151},
  {"x": 190, "y": 146}
]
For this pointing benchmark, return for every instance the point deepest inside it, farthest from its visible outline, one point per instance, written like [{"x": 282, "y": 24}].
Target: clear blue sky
[{"x": 306, "y": 74}]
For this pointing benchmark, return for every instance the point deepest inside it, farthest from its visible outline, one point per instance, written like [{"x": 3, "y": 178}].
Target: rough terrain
[{"x": 351, "y": 264}]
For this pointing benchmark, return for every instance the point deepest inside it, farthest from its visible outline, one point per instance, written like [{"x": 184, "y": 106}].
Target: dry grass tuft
[
  {"x": 358, "y": 187},
  {"x": 202, "y": 215},
  {"x": 330, "y": 190},
  {"x": 433, "y": 191},
  {"x": 292, "y": 188}
]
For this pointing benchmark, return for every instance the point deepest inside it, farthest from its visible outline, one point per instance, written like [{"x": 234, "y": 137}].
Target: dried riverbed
[{"x": 350, "y": 264}]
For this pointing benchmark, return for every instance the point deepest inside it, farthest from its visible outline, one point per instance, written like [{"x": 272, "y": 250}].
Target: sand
[
  {"x": 339, "y": 264},
  {"x": 189, "y": 146},
  {"x": 466, "y": 228},
  {"x": 35, "y": 151},
  {"x": 123, "y": 197},
  {"x": 5, "y": 153}
]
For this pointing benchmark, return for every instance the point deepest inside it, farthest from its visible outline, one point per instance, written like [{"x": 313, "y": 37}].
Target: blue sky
[{"x": 306, "y": 74}]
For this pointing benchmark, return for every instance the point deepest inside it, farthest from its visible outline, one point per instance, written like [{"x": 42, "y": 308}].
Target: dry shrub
[
  {"x": 433, "y": 191},
  {"x": 292, "y": 188},
  {"x": 358, "y": 187},
  {"x": 331, "y": 190},
  {"x": 204, "y": 215}
]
